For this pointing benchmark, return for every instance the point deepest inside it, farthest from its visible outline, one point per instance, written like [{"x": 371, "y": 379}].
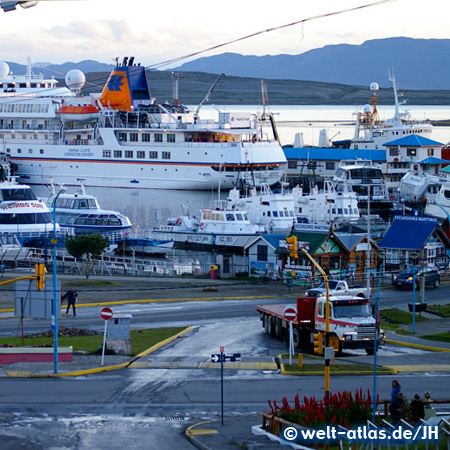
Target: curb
[{"x": 420, "y": 346}]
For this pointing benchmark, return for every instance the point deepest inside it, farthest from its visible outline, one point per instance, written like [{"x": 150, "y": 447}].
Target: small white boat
[
  {"x": 11, "y": 249},
  {"x": 82, "y": 213},
  {"x": 416, "y": 187},
  {"x": 439, "y": 206}
]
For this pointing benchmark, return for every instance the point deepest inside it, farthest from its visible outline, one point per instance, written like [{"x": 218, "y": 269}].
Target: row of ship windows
[
  {"x": 24, "y": 108},
  {"x": 129, "y": 154},
  {"x": 145, "y": 137}
]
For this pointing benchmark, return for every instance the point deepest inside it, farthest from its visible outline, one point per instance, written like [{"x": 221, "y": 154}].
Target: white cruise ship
[{"x": 124, "y": 138}]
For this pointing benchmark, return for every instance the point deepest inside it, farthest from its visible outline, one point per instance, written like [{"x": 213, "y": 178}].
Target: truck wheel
[
  {"x": 277, "y": 327},
  {"x": 296, "y": 336},
  {"x": 268, "y": 325},
  {"x": 436, "y": 283}
]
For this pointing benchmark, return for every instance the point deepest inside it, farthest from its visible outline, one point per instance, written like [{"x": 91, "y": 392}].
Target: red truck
[{"x": 352, "y": 325}]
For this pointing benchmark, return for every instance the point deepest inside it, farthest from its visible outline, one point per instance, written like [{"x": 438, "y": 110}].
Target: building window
[
  {"x": 165, "y": 155},
  {"x": 106, "y": 153},
  {"x": 393, "y": 151},
  {"x": 152, "y": 154},
  {"x": 171, "y": 138},
  {"x": 41, "y": 151},
  {"x": 145, "y": 137},
  {"x": 329, "y": 165},
  {"x": 158, "y": 137},
  {"x": 292, "y": 164},
  {"x": 128, "y": 153},
  {"x": 141, "y": 154},
  {"x": 411, "y": 152},
  {"x": 117, "y": 153},
  {"x": 133, "y": 137},
  {"x": 431, "y": 152},
  {"x": 262, "y": 252}
]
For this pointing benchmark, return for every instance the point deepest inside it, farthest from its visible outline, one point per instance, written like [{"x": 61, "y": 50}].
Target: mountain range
[{"x": 418, "y": 64}]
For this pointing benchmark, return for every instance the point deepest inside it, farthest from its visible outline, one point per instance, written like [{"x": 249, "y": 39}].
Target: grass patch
[
  {"x": 76, "y": 283},
  {"x": 441, "y": 337},
  {"x": 396, "y": 316},
  {"x": 442, "y": 310},
  {"x": 140, "y": 339}
]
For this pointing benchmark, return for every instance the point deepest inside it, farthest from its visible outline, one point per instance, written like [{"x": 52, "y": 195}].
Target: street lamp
[{"x": 55, "y": 292}]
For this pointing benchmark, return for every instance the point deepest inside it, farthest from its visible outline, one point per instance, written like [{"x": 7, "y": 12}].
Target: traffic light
[
  {"x": 39, "y": 270},
  {"x": 293, "y": 247},
  {"x": 318, "y": 343}
]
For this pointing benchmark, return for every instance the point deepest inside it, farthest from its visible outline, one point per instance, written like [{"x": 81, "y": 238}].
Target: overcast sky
[{"x": 157, "y": 31}]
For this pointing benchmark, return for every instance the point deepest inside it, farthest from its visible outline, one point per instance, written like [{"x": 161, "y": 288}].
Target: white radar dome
[
  {"x": 4, "y": 69},
  {"x": 374, "y": 86},
  {"x": 367, "y": 109},
  {"x": 75, "y": 79}
]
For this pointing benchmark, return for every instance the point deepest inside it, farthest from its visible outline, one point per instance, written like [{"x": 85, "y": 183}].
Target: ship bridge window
[
  {"x": 239, "y": 217},
  {"x": 122, "y": 137},
  {"x": 145, "y": 137},
  {"x": 447, "y": 193},
  {"x": 17, "y": 194},
  {"x": 133, "y": 137},
  {"x": 275, "y": 213},
  {"x": 171, "y": 138},
  {"x": 158, "y": 137},
  {"x": 230, "y": 217}
]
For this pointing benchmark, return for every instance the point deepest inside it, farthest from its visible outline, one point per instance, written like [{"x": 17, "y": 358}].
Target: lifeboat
[{"x": 79, "y": 113}]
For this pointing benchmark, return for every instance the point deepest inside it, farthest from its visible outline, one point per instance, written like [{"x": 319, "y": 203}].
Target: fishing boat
[
  {"x": 81, "y": 213},
  {"x": 123, "y": 138},
  {"x": 219, "y": 227},
  {"x": 272, "y": 211},
  {"x": 326, "y": 208}
]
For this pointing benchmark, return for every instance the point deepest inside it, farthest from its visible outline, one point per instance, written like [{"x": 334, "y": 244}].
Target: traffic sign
[
  {"x": 106, "y": 313},
  {"x": 221, "y": 357},
  {"x": 290, "y": 313}
]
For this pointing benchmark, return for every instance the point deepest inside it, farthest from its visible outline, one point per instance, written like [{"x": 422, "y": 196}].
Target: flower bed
[{"x": 343, "y": 408}]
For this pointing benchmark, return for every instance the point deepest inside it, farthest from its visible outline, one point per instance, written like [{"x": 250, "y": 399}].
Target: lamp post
[
  {"x": 414, "y": 257},
  {"x": 55, "y": 289}
]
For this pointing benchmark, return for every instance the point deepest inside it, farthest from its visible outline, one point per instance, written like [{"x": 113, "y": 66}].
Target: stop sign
[
  {"x": 106, "y": 313},
  {"x": 290, "y": 313}
]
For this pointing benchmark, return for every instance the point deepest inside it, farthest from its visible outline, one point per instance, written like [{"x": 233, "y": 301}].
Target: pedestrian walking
[{"x": 71, "y": 296}]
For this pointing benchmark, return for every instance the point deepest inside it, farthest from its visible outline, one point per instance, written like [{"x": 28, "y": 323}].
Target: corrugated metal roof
[
  {"x": 409, "y": 233},
  {"x": 413, "y": 140},
  {"x": 333, "y": 154}
]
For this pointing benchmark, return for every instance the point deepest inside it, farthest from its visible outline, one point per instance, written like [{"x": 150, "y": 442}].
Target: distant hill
[{"x": 418, "y": 64}]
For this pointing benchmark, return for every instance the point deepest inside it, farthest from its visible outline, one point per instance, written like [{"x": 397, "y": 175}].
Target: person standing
[
  {"x": 396, "y": 409},
  {"x": 396, "y": 388},
  {"x": 71, "y": 300},
  {"x": 416, "y": 410}
]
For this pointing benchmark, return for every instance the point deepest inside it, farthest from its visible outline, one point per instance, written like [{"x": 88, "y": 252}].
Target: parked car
[{"x": 404, "y": 280}]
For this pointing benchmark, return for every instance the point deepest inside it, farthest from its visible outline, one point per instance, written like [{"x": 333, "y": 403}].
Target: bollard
[{"x": 300, "y": 360}]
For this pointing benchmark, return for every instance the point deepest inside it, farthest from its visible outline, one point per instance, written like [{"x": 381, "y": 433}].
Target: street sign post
[
  {"x": 106, "y": 314},
  {"x": 290, "y": 314},
  {"x": 221, "y": 357}
]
